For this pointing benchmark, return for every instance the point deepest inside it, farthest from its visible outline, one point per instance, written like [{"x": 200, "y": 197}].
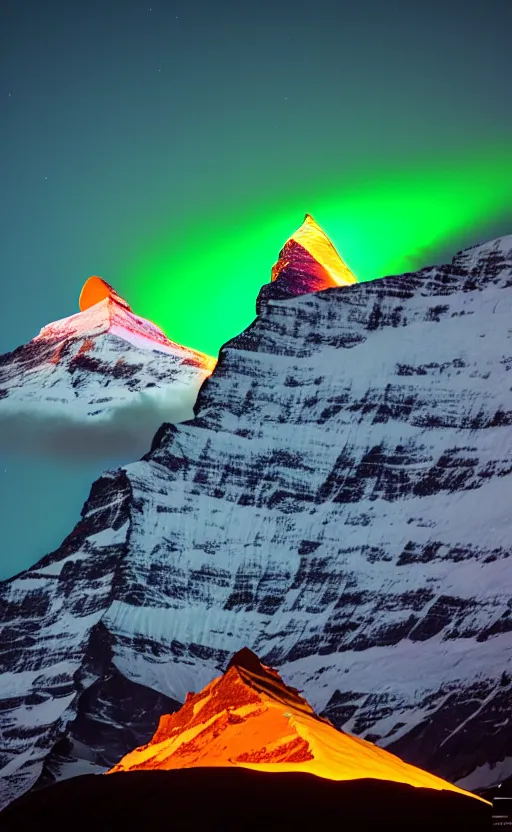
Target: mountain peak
[
  {"x": 249, "y": 717},
  {"x": 309, "y": 262},
  {"x": 95, "y": 290},
  {"x": 102, "y": 311},
  {"x": 94, "y": 365},
  {"x": 247, "y": 660}
]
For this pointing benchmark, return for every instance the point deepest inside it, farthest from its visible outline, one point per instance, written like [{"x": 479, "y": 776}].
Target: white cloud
[{"x": 43, "y": 427}]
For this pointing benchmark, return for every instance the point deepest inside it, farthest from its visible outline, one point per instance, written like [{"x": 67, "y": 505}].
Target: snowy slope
[
  {"x": 93, "y": 366},
  {"x": 340, "y": 505}
]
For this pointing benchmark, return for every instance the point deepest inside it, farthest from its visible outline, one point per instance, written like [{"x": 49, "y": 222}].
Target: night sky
[{"x": 172, "y": 147}]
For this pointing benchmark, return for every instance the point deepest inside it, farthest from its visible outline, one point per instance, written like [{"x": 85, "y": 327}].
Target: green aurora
[{"x": 199, "y": 282}]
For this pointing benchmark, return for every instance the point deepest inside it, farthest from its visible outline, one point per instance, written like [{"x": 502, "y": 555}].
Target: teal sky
[{"x": 171, "y": 148}]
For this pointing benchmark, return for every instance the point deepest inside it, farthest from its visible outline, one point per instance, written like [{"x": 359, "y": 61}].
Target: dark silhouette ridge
[
  {"x": 229, "y": 799},
  {"x": 246, "y": 659}
]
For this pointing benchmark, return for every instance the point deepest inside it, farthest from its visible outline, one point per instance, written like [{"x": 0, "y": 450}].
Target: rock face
[
  {"x": 340, "y": 504},
  {"x": 308, "y": 262},
  {"x": 96, "y": 367},
  {"x": 248, "y": 717}
]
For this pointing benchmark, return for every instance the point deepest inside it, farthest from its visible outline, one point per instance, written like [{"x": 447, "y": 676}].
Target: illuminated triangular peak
[
  {"x": 250, "y": 717},
  {"x": 316, "y": 242},
  {"x": 95, "y": 290}
]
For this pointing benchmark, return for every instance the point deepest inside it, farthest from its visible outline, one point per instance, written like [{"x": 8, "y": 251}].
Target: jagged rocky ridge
[{"x": 340, "y": 504}]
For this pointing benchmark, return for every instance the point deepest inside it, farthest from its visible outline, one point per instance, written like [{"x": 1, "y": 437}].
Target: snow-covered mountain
[
  {"x": 99, "y": 369},
  {"x": 340, "y": 504}
]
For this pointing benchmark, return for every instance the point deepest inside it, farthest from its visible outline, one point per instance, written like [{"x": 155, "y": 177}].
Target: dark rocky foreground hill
[{"x": 234, "y": 799}]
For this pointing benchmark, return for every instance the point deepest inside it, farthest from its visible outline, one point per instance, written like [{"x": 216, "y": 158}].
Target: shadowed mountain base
[{"x": 226, "y": 798}]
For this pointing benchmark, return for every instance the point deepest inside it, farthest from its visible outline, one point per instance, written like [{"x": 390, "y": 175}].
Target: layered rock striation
[{"x": 340, "y": 504}]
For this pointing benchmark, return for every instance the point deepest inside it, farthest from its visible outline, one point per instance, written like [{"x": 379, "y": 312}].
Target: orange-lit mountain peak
[
  {"x": 95, "y": 290},
  {"x": 311, "y": 237},
  {"x": 250, "y": 718},
  {"x": 266, "y": 681},
  {"x": 309, "y": 262},
  {"x": 103, "y": 311}
]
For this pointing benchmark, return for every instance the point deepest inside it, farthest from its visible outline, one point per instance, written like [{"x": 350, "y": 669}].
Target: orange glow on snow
[
  {"x": 316, "y": 243},
  {"x": 95, "y": 290},
  {"x": 248, "y": 717},
  {"x": 120, "y": 317}
]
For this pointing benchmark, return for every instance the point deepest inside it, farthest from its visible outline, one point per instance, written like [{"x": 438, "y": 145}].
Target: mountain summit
[
  {"x": 250, "y": 718},
  {"x": 84, "y": 373},
  {"x": 95, "y": 290},
  {"x": 103, "y": 311},
  {"x": 309, "y": 262}
]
